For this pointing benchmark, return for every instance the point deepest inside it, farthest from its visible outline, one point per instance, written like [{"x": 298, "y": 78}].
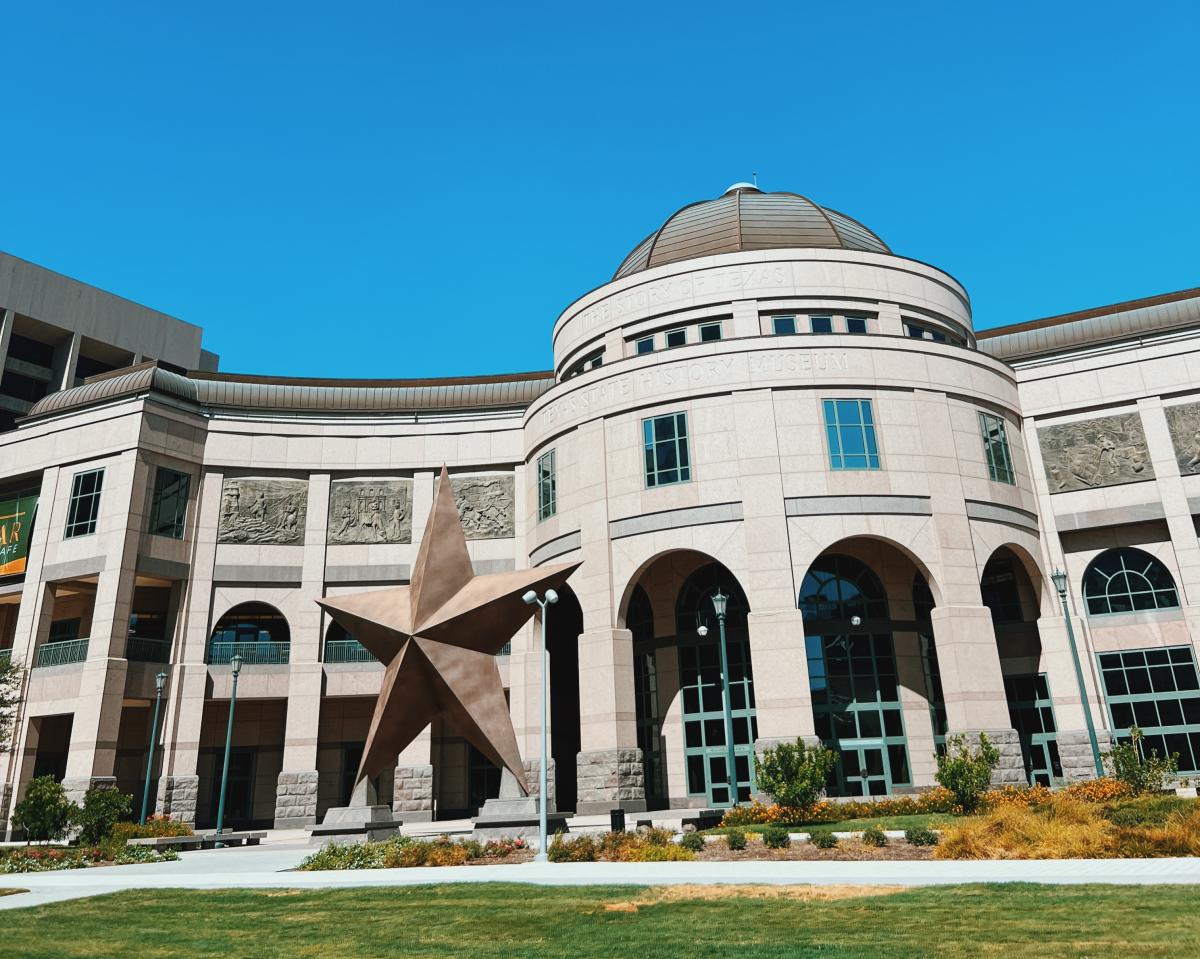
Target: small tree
[
  {"x": 965, "y": 771},
  {"x": 10, "y": 698},
  {"x": 102, "y": 809},
  {"x": 45, "y": 812},
  {"x": 794, "y": 774},
  {"x": 1128, "y": 763}
]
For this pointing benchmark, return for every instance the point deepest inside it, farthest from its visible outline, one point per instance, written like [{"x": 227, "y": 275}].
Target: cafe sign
[{"x": 16, "y": 523}]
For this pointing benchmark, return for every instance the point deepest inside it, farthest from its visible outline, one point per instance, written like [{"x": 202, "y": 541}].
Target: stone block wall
[
  {"x": 1075, "y": 753},
  {"x": 412, "y": 794},
  {"x": 608, "y": 778},
  {"x": 531, "y": 776},
  {"x": 296, "y": 799},
  {"x": 78, "y": 788},
  {"x": 177, "y": 797}
]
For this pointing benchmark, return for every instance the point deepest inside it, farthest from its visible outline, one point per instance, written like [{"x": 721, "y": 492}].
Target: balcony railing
[
  {"x": 254, "y": 653},
  {"x": 6, "y": 655},
  {"x": 61, "y": 653},
  {"x": 347, "y": 651},
  {"x": 141, "y": 649}
]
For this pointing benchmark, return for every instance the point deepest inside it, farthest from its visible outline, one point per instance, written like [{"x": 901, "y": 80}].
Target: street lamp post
[
  {"x": 235, "y": 667},
  {"x": 531, "y": 598},
  {"x": 159, "y": 681},
  {"x": 1060, "y": 584},
  {"x": 720, "y": 603}
]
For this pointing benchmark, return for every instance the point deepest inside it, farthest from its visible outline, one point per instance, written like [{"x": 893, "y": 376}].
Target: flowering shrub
[
  {"x": 47, "y": 859},
  {"x": 934, "y": 800},
  {"x": 1104, "y": 789},
  {"x": 1023, "y": 796},
  {"x": 403, "y": 852}
]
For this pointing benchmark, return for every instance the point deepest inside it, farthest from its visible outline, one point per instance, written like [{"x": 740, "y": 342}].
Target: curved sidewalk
[{"x": 270, "y": 867}]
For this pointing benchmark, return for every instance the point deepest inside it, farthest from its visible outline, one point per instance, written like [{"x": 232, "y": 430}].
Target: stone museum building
[{"x": 764, "y": 400}]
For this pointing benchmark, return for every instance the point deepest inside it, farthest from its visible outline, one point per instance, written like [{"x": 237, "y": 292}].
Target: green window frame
[
  {"x": 644, "y": 345},
  {"x": 850, "y": 432},
  {"x": 1127, "y": 580},
  {"x": 1031, "y": 712},
  {"x": 547, "y": 481},
  {"x": 84, "y": 509},
  {"x": 1157, "y": 690},
  {"x": 820, "y": 323},
  {"x": 783, "y": 325},
  {"x": 995, "y": 449},
  {"x": 649, "y": 731},
  {"x": 710, "y": 332},
  {"x": 665, "y": 443},
  {"x": 168, "y": 508},
  {"x": 857, "y": 711}
]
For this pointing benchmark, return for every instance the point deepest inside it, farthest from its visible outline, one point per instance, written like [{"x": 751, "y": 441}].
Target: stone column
[
  {"x": 914, "y": 703},
  {"x": 66, "y": 361},
  {"x": 609, "y": 762},
  {"x": 782, "y": 698},
  {"x": 973, "y": 684},
  {"x": 412, "y": 797}
]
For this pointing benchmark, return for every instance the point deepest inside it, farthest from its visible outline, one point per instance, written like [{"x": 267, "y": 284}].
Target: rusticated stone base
[
  {"x": 1011, "y": 770},
  {"x": 296, "y": 800},
  {"x": 1075, "y": 753},
  {"x": 531, "y": 777},
  {"x": 177, "y": 797},
  {"x": 412, "y": 795},
  {"x": 5, "y": 802},
  {"x": 77, "y": 788},
  {"x": 610, "y": 778}
]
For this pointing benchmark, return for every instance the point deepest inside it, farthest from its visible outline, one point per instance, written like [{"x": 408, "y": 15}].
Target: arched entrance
[
  {"x": 678, "y": 685},
  {"x": 853, "y": 679}
]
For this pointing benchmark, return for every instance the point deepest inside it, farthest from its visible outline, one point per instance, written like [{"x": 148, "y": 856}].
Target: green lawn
[
  {"x": 917, "y": 821},
  {"x": 506, "y": 920}
]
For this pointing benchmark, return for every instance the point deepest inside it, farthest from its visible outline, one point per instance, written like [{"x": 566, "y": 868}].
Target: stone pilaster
[
  {"x": 531, "y": 777},
  {"x": 412, "y": 795},
  {"x": 608, "y": 778},
  {"x": 296, "y": 799},
  {"x": 177, "y": 796},
  {"x": 79, "y": 786},
  {"x": 1075, "y": 754}
]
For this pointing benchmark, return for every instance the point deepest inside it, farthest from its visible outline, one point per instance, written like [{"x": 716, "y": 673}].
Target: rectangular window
[
  {"x": 676, "y": 338},
  {"x": 710, "y": 332},
  {"x": 84, "y": 508},
  {"x": 995, "y": 448},
  {"x": 916, "y": 332},
  {"x": 820, "y": 324},
  {"x": 1031, "y": 712},
  {"x": 666, "y": 447},
  {"x": 856, "y": 324},
  {"x": 645, "y": 345},
  {"x": 546, "y": 479},
  {"x": 1157, "y": 690},
  {"x": 850, "y": 428},
  {"x": 783, "y": 325},
  {"x": 169, "y": 506}
]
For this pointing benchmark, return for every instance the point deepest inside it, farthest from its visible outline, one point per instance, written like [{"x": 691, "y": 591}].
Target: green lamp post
[
  {"x": 720, "y": 604},
  {"x": 159, "y": 681},
  {"x": 1060, "y": 584},
  {"x": 235, "y": 665}
]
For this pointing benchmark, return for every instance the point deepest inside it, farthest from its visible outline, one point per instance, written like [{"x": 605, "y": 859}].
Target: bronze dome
[{"x": 745, "y": 218}]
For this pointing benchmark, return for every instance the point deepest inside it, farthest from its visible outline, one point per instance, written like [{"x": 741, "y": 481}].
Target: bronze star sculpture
[{"x": 438, "y": 638}]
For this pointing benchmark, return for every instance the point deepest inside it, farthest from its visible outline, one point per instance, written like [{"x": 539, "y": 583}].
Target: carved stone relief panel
[
  {"x": 263, "y": 511},
  {"x": 1091, "y": 453},
  {"x": 485, "y": 504},
  {"x": 370, "y": 511},
  {"x": 1184, "y": 423}
]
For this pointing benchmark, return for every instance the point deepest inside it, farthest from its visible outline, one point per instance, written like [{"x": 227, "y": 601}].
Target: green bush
[
  {"x": 874, "y": 836},
  {"x": 776, "y": 837},
  {"x": 102, "y": 810},
  {"x": 692, "y": 841},
  {"x": 793, "y": 773},
  {"x": 1147, "y": 810},
  {"x": 967, "y": 772},
  {"x": 45, "y": 813},
  {"x": 1142, "y": 774},
  {"x": 572, "y": 849},
  {"x": 736, "y": 839},
  {"x": 825, "y": 839},
  {"x": 653, "y": 853},
  {"x": 921, "y": 837}
]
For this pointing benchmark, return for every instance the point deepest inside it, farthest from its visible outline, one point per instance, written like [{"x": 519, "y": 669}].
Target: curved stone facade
[{"x": 819, "y": 434}]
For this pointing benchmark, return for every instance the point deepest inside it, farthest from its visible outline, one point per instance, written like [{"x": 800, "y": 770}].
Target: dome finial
[{"x": 742, "y": 186}]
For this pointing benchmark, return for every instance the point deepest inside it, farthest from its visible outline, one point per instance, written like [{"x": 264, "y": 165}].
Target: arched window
[
  {"x": 1127, "y": 580},
  {"x": 255, "y": 631},
  {"x": 840, "y": 587},
  {"x": 341, "y": 647}
]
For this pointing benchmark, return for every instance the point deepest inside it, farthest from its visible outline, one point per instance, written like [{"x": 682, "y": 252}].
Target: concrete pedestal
[
  {"x": 364, "y": 819},
  {"x": 513, "y": 814}
]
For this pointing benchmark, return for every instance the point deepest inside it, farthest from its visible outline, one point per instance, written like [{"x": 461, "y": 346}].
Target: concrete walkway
[{"x": 267, "y": 867}]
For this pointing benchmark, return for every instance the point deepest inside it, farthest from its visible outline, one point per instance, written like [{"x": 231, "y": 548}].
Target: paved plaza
[{"x": 272, "y": 866}]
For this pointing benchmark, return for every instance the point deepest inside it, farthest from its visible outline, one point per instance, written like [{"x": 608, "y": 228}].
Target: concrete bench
[{"x": 202, "y": 840}]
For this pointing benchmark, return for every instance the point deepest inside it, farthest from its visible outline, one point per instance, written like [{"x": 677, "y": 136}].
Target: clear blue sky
[{"x": 390, "y": 189}]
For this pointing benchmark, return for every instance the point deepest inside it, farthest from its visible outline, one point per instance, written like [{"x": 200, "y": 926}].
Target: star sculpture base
[
  {"x": 364, "y": 819},
  {"x": 513, "y": 815}
]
